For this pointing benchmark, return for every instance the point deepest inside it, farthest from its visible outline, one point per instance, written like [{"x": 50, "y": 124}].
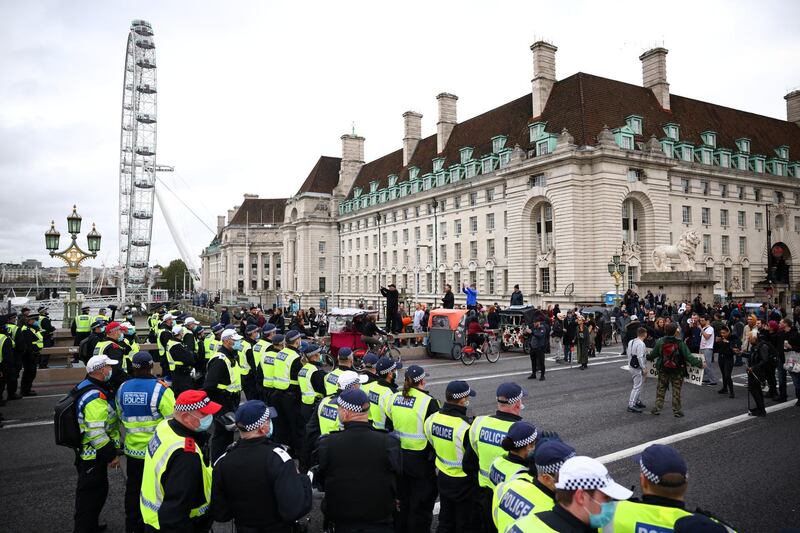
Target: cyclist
[
  {"x": 476, "y": 335},
  {"x": 371, "y": 334}
]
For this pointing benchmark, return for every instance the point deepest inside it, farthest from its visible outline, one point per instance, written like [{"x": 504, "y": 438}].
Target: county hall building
[{"x": 541, "y": 191}]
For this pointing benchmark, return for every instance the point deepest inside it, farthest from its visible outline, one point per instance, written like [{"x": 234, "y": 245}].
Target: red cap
[
  {"x": 196, "y": 400},
  {"x": 772, "y": 325},
  {"x": 111, "y": 326}
]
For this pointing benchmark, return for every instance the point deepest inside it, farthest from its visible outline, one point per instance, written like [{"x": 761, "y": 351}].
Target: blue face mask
[
  {"x": 36, "y": 323},
  {"x": 606, "y": 515},
  {"x": 205, "y": 423},
  {"x": 237, "y": 345},
  {"x": 107, "y": 377},
  {"x": 271, "y": 427}
]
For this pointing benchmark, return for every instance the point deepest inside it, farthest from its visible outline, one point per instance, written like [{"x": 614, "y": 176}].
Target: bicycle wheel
[
  {"x": 394, "y": 353},
  {"x": 492, "y": 352},
  {"x": 468, "y": 356},
  {"x": 455, "y": 351}
]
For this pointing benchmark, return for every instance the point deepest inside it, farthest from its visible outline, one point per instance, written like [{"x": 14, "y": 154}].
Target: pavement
[{"x": 743, "y": 469}]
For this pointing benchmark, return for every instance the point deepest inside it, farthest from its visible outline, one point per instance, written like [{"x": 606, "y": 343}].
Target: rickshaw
[
  {"x": 514, "y": 322},
  {"x": 345, "y": 326},
  {"x": 447, "y": 332}
]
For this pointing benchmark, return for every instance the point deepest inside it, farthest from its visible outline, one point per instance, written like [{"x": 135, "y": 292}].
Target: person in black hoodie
[
  {"x": 448, "y": 300},
  {"x": 760, "y": 362}
]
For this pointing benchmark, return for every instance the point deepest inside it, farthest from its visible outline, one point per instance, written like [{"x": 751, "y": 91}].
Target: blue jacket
[{"x": 472, "y": 295}]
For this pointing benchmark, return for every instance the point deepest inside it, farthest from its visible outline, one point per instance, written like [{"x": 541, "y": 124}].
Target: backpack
[
  {"x": 65, "y": 419},
  {"x": 83, "y": 350},
  {"x": 671, "y": 355},
  {"x": 558, "y": 328}
]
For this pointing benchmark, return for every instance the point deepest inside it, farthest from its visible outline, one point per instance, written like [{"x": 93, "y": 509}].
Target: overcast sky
[{"x": 251, "y": 93}]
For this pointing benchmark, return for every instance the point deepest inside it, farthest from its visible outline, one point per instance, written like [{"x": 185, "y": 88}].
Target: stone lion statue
[{"x": 684, "y": 251}]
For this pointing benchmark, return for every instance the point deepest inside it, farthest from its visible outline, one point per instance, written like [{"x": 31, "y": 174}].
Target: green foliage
[{"x": 176, "y": 270}]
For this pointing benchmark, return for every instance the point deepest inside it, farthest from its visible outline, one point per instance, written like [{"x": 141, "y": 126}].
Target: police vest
[
  {"x": 12, "y": 333},
  {"x": 133, "y": 349},
  {"x": 527, "y": 523},
  {"x": 379, "y": 396},
  {"x": 307, "y": 393},
  {"x": 486, "y": 435},
  {"x": 38, "y": 341},
  {"x": 235, "y": 379},
  {"x": 244, "y": 366},
  {"x": 446, "y": 434},
  {"x": 170, "y": 361},
  {"x": 407, "y": 414},
  {"x": 152, "y": 321},
  {"x": 3, "y": 338},
  {"x": 158, "y": 342},
  {"x": 83, "y": 324},
  {"x": 164, "y": 443},
  {"x": 516, "y": 498},
  {"x": 503, "y": 469},
  {"x": 97, "y": 420},
  {"x": 328, "y": 415},
  {"x": 283, "y": 367},
  {"x": 332, "y": 381},
  {"x": 268, "y": 369},
  {"x": 104, "y": 318},
  {"x": 100, "y": 347},
  {"x": 142, "y": 403},
  {"x": 636, "y": 516},
  {"x": 210, "y": 346}
]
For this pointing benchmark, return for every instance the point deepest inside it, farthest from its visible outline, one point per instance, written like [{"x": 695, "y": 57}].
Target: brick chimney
[
  {"x": 412, "y": 134},
  {"x": 654, "y": 74},
  {"x": 231, "y": 213},
  {"x": 220, "y": 223},
  {"x": 793, "y": 106},
  {"x": 544, "y": 74},
  {"x": 352, "y": 161},
  {"x": 447, "y": 119}
]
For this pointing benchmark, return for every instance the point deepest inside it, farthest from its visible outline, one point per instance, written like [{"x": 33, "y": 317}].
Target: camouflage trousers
[{"x": 666, "y": 380}]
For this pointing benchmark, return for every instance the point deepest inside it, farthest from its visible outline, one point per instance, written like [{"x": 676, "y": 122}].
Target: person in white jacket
[
  {"x": 416, "y": 324},
  {"x": 636, "y": 352}
]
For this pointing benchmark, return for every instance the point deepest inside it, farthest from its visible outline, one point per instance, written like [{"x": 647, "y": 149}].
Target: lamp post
[
  {"x": 617, "y": 271},
  {"x": 380, "y": 275},
  {"x": 73, "y": 256},
  {"x": 435, "y": 205}
]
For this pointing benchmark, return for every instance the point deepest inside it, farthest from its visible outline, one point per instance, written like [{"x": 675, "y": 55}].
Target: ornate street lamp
[
  {"x": 617, "y": 271},
  {"x": 73, "y": 256}
]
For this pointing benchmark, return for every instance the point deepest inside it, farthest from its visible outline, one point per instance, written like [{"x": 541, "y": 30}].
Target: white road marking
[
  {"x": 28, "y": 424},
  {"x": 42, "y": 396},
  {"x": 677, "y": 437},
  {"x": 519, "y": 373}
]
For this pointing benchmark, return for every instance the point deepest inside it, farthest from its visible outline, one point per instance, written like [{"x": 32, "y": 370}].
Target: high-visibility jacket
[
  {"x": 503, "y": 469},
  {"x": 97, "y": 419},
  {"x": 99, "y": 317},
  {"x": 268, "y": 369},
  {"x": 38, "y": 341},
  {"x": 407, "y": 414},
  {"x": 141, "y": 404},
  {"x": 332, "y": 381},
  {"x": 170, "y": 361},
  {"x": 233, "y": 375},
  {"x": 486, "y": 435},
  {"x": 527, "y": 523},
  {"x": 100, "y": 347},
  {"x": 517, "y": 497},
  {"x": 164, "y": 443},
  {"x": 210, "y": 346},
  {"x": 244, "y": 366},
  {"x": 133, "y": 349},
  {"x": 83, "y": 324},
  {"x": 161, "y": 347},
  {"x": 12, "y": 333},
  {"x": 307, "y": 393},
  {"x": 639, "y": 516},
  {"x": 379, "y": 395},
  {"x": 3, "y": 339},
  {"x": 446, "y": 435},
  {"x": 152, "y": 321},
  {"x": 328, "y": 415},
  {"x": 283, "y": 367}
]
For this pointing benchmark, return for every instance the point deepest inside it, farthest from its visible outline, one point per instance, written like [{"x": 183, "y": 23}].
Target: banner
[{"x": 695, "y": 374}]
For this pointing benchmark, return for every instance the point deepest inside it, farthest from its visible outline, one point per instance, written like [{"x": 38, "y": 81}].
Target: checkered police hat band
[
  {"x": 417, "y": 379},
  {"x": 587, "y": 483},
  {"x": 525, "y": 441},
  {"x": 512, "y": 401},
  {"x": 192, "y": 406},
  {"x": 555, "y": 467},
  {"x": 258, "y": 423},
  {"x": 387, "y": 370},
  {"x": 459, "y": 395},
  {"x": 97, "y": 367},
  {"x": 350, "y": 406},
  {"x": 653, "y": 478}
]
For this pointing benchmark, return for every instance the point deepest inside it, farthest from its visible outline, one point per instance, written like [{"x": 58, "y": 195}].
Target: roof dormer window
[
  {"x": 498, "y": 143},
  {"x": 413, "y": 172},
  {"x": 537, "y": 130},
  {"x": 709, "y": 138},
  {"x": 466, "y": 154},
  {"x": 634, "y": 122},
  {"x": 392, "y": 180},
  {"x": 743, "y": 145},
  {"x": 438, "y": 164},
  {"x": 357, "y": 192},
  {"x": 373, "y": 186},
  {"x": 782, "y": 151},
  {"x": 673, "y": 131}
]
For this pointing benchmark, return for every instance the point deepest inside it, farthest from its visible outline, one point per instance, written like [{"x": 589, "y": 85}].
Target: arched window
[
  {"x": 543, "y": 215},
  {"x": 630, "y": 222}
]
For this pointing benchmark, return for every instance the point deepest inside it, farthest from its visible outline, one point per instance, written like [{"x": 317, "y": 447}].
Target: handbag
[{"x": 792, "y": 363}]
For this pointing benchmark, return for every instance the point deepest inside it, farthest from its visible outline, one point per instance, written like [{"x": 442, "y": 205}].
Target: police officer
[
  {"x": 583, "y": 486},
  {"x": 259, "y": 350},
  {"x": 86, "y": 347},
  {"x": 312, "y": 381},
  {"x": 142, "y": 402},
  {"x": 8, "y": 360},
  {"x": 247, "y": 362},
  {"x": 486, "y": 436},
  {"x": 47, "y": 329},
  {"x": 112, "y": 346},
  {"x": 191, "y": 331},
  {"x": 532, "y": 491},
  {"x": 176, "y": 485},
  {"x": 267, "y": 363},
  {"x": 286, "y": 396},
  {"x": 255, "y": 482},
  {"x": 359, "y": 458},
  {"x": 81, "y": 326},
  {"x": 28, "y": 345},
  {"x": 152, "y": 322},
  {"x": 519, "y": 442},
  {"x": 129, "y": 345},
  {"x": 370, "y": 360},
  {"x": 211, "y": 343},
  {"x": 223, "y": 384},
  {"x": 448, "y": 432},
  {"x": 407, "y": 411},
  {"x": 345, "y": 362},
  {"x": 99, "y": 449},
  {"x": 101, "y": 315},
  {"x": 381, "y": 391},
  {"x": 163, "y": 337},
  {"x": 180, "y": 361}
]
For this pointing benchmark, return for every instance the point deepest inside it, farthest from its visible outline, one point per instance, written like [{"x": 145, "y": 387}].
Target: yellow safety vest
[
  {"x": 100, "y": 317},
  {"x": 139, "y": 417},
  {"x": 332, "y": 381},
  {"x": 12, "y": 333},
  {"x": 503, "y": 469},
  {"x": 3, "y": 338},
  {"x": 161, "y": 347},
  {"x": 97, "y": 420},
  {"x": 446, "y": 435},
  {"x": 211, "y": 346},
  {"x": 268, "y": 369},
  {"x": 307, "y": 393},
  {"x": 127, "y": 358},
  {"x": 283, "y": 369},
  {"x": 528, "y": 523},
  {"x": 407, "y": 414},
  {"x": 379, "y": 395},
  {"x": 39, "y": 340},
  {"x": 516, "y": 498},
  {"x": 637, "y": 516},
  {"x": 485, "y": 435},
  {"x": 328, "y": 415},
  {"x": 83, "y": 324},
  {"x": 170, "y": 361},
  {"x": 244, "y": 366},
  {"x": 233, "y": 375},
  {"x": 164, "y": 443}
]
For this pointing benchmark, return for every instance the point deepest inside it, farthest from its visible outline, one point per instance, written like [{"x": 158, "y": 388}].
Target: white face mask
[
  {"x": 466, "y": 404},
  {"x": 522, "y": 407}
]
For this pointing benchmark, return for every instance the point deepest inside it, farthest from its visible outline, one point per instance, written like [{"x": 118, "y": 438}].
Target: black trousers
[
  {"x": 483, "y": 511},
  {"x": 754, "y": 387},
  {"x": 90, "y": 495},
  {"x": 9, "y": 379},
  {"x": 455, "y": 515},
  {"x": 30, "y": 362},
  {"x": 250, "y": 388},
  {"x": 181, "y": 381},
  {"x": 537, "y": 360},
  {"x": 417, "y": 498},
  {"x": 772, "y": 382},
  {"x": 221, "y": 438},
  {"x": 289, "y": 424},
  {"x": 133, "y": 485},
  {"x": 726, "y": 369},
  {"x": 598, "y": 341}
]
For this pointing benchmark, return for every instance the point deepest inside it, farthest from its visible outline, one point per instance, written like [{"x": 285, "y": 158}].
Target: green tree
[{"x": 172, "y": 274}]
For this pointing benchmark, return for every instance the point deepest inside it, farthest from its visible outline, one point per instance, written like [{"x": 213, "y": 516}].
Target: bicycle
[
  {"x": 470, "y": 353},
  {"x": 386, "y": 349}
]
